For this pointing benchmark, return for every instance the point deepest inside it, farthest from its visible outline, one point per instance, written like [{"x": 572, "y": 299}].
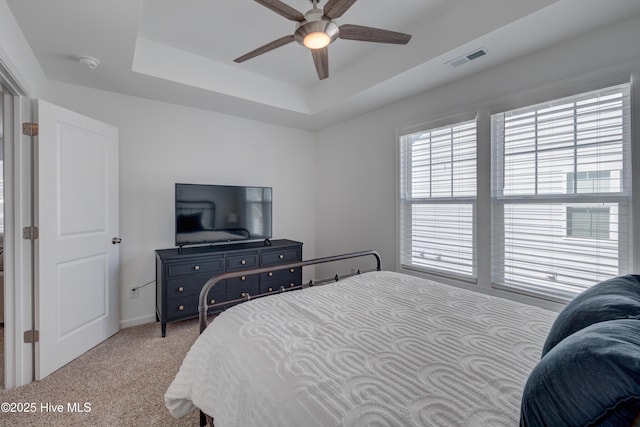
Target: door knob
[{"x": 116, "y": 240}]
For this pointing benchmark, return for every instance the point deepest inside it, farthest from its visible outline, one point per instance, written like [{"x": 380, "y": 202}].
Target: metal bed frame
[{"x": 203, "y": 307}]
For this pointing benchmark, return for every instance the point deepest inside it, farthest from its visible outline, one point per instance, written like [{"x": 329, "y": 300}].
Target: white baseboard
[{"x": 137, "y": 321}]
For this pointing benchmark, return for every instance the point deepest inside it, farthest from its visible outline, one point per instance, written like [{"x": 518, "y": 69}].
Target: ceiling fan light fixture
[
  {"x": 316, "y": 34},
  {"x": 316, "y": 40}
]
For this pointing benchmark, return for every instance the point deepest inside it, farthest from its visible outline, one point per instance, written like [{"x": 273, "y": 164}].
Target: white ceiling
[{"x": 182, "y": 51}]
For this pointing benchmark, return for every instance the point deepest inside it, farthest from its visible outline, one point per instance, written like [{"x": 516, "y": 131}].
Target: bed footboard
[{"x": 203, "y": 307}]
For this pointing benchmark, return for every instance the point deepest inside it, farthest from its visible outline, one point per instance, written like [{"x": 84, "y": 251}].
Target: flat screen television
[{"x": 210, "y": 214}]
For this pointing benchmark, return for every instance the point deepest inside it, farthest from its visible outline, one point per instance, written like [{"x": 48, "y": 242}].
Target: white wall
[
  {"x": 23, "y": 69},
  {"x": 161, "y": 144},
  {"x": 357, "y": 160}
]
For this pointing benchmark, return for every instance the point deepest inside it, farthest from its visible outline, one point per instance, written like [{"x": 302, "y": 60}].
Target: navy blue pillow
[
  {"x": 591, "y": 378},
  {"x": 617, "y": 298}
]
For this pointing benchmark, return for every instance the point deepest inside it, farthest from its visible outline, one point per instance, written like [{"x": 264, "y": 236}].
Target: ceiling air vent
[{"x": 466, "y": 58}]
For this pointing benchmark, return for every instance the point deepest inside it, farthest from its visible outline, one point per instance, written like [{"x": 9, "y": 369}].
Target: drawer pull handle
[
  {"x": 291, "y": 285},
  {"x": 180, "y": 289},
  {"x": 281, "y": 256},
  {"x": 270, "y": 274},
  {"x": 181, "y": 308},
  {"x": 243, "y": 262},
  {"x": 196, "y": 268},
  {"x": 213, "y": 301},
  {"x": 292, "y": 270},
  {"x": 270, "y": 289},
  {"x": 243, "y": 294},
  {"x": 243, "y": 278}
]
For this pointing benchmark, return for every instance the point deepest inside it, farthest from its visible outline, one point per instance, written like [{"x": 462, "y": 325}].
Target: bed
[
  {"x": 389, "y": 349},
  {"x": 378, "y": 348}
]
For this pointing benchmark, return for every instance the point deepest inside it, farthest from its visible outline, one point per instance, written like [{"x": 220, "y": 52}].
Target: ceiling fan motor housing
[{"x": 315, "y": 22}]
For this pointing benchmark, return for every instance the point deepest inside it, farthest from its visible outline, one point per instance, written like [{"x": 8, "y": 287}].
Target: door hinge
[
  {"x": 31, "y": 336},
  {"x": 30, "y": 129},
  {"x": 30, "y": 233}
]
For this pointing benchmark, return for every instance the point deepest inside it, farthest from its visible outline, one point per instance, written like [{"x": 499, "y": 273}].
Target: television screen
[{"x": 221, "y": 213}]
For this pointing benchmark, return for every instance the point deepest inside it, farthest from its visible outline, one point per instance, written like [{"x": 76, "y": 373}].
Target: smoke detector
[{"x": 89, "y": 61}]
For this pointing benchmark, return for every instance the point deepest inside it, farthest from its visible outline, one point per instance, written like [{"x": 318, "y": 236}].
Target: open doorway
[{"x": 16, "y": 359}]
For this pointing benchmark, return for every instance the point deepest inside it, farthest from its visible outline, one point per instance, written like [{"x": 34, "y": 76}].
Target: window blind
[
  {"x": 561, "y": 193},
  {"x": 438, "y": 198}
]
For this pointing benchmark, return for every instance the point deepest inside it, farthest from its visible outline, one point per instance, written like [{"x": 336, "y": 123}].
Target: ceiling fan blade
[
  {"x": 370, "y": 34},
  {"x": 282, "y": 9},
  {"x": 336, "y": 8},
  {"x": 321, "y": 61},
  {"x": 266, "y": 48}
]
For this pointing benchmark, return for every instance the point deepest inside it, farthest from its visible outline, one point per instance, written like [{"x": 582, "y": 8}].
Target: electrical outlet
[{"x": 133, "y": 293}]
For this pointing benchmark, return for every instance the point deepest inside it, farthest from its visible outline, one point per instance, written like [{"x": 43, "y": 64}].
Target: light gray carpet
[{"x": 123, "y": 379}]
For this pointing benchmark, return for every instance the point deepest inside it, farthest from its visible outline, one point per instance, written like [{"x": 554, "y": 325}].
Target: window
[
  {"x": 588, "y": 223},
  {"x": 589, "y": 182},
  {"x": 438, "y": 198},
  {"x": 561, "y": 193}
]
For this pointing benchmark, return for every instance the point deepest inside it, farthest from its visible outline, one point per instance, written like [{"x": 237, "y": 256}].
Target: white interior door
[{"x": 77, "y": 215}]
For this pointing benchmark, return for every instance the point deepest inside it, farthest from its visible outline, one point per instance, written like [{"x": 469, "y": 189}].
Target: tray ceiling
[{"x": 182, "y": 51}]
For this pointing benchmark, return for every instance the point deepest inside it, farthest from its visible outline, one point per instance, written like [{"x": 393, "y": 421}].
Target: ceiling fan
[{"x": 316, "y": 29}]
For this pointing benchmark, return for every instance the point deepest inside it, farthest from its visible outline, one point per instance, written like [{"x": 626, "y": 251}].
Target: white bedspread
[{"x": 382, "y": 349}]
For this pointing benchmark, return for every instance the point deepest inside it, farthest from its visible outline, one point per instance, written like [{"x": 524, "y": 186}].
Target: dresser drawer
[
  {"x": 275, "y": 286},
  {"x": 237, "y": 286},
  {"x": 239, "y": 262},
  {"x": 238, "y": 289},
  {"x": 217, "y": 295},
  {"x": 187, "y": 306},
  {"x": 189, "y": 285},
  {"x": 182, "y": 307},
  {"x": 288, "y": 274},
  {"x": 242, "y": 280},
  {"x": 203, "y": 265},
  {"x": 280, "y": 257}
]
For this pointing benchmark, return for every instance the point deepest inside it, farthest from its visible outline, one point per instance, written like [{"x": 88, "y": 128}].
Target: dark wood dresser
[{"x": 180, "y": 274}]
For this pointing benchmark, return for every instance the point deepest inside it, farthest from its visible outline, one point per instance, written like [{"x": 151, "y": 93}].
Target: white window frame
[
  {"x": 623, "y": 199},
  {"x": 509, "y": 100},
  {"x": 403, "y": 203}
]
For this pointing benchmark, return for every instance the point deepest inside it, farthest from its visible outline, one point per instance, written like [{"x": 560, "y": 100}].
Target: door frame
[{"x": 18, "y": 253}]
